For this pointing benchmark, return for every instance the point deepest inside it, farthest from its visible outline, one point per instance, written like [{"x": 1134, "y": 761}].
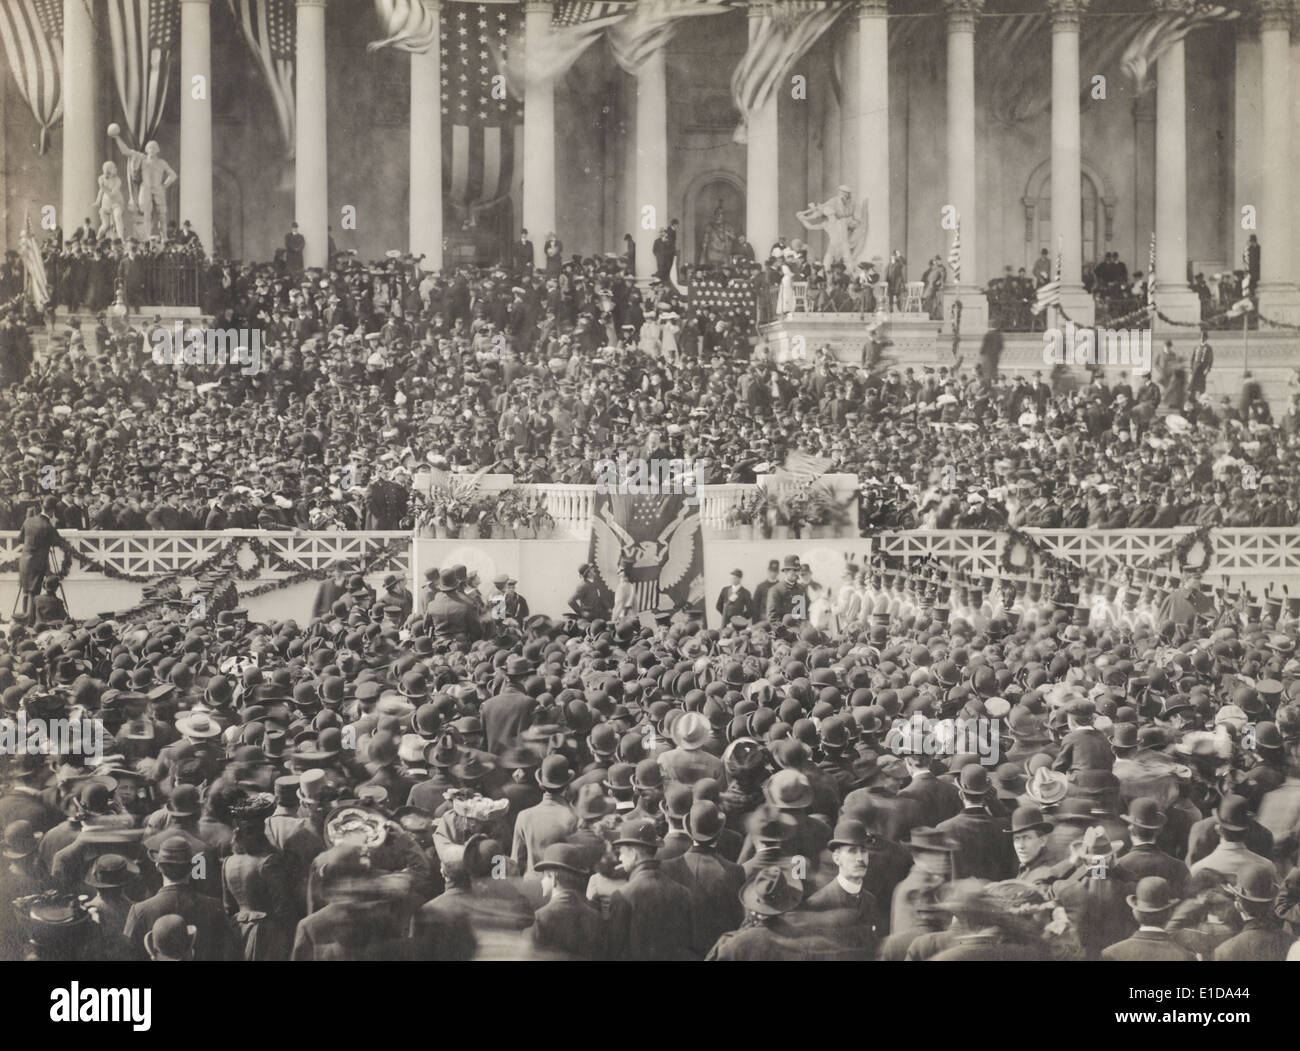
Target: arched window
[{"x": 1092, "y": 219}]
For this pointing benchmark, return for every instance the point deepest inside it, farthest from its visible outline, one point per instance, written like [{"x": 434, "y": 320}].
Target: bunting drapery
[
  {"x": 143, "y": 35},
  {"x": 32, "y": 31},
  {"x": 269, "y": 28},
  {"x": 783, "y": 36}
]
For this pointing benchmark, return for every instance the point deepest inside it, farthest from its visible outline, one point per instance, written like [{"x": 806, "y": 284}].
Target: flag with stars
[
  {"x": 482, "y": 112},
  {"x": 729, "y": 297},
  {"x": 33, "y": 40},
  {"x": 270, "y": 29},
  {"x": 143, "y": 33},
  {"x": 655, "y": 538}
]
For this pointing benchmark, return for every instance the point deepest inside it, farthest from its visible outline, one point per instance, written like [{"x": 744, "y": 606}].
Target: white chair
[
  {"x": 799, "y": 296},
  {"x": 915, "y": 290}
]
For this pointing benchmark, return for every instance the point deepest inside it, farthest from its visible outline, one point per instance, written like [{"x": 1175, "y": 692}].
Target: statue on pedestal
[
  {"x": 719, "y": 238},
  {"x": 845, "y": 224},
  {"x": 111, "y": 203},
  {"x": 153, "y": 175}
]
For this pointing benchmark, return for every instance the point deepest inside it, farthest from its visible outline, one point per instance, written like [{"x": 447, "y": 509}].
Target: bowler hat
[
  {"x": 1029, "y": 819},
  {"x": 1153, "y": 895},
  {"x": 705, "y": 822},
  {"x": 637, "y": 832},
  {"x": 554, "y": 773},
  {"x": 1145, "y": 813},
  {"x": 1234, "y": 813},
  {"x": 850, "y": 832},
  {"x": 170, "y": 938},
  {"x": 20, "y": 839},
  {"x": 563, "y": 856},
  {"x": 175, "y": 850},
  {"x": 1254, "y": 883},
  {"x": 111, "y": 870}
]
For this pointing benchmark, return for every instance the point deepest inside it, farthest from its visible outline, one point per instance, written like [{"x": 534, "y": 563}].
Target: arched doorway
[
  {"x": 703, "y": 197},
  {"x": 1095, "y": 214}
]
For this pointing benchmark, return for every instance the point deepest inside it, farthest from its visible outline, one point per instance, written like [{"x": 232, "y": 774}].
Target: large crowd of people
[
  {"x": 947, "y": 769},
  {"x": 366, "y": 374}
]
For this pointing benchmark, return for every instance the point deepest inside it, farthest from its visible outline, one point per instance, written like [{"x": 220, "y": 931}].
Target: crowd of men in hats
[
  {"x": 456, "y": 785},
  {"x": 368, "y": 379}
]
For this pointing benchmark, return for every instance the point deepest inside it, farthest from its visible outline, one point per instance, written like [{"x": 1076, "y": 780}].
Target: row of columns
[{"x": 869, "y": 122}]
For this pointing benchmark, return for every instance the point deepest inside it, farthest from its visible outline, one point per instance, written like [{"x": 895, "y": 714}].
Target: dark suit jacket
[
  {"x": 939, "y": 800},
  {"x": 569, "y": 925},
  {"x": 650, "y": 917},
  {"x": 504, "y": 717},
  {"x": 984, "y": 845},
  {"x": 1148, "y": 947},
  {"x": 741, "y": 606},
  {"x": 216, "y": 938},
  {"x": 352, "y": 931},
  {"x": 1258, "y": 940},
  {"x": 1146, "y": 859},
  {"x": 713, "y": 883},
  {"x": 1084, "y": 749}
]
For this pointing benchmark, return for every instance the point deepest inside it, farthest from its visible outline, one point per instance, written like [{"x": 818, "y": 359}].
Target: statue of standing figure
[
  {"x": 845, "y": 225},
  {"x": 111, "y": 203},
  {"x": 155, "y": 176},
  {"x": 719, "y": 239}
]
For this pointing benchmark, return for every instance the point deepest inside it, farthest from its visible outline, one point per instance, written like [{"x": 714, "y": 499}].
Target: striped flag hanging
[
  {"x": 270, "y": 29},
  {"x": 1050, "y": 293},
  {"x": 1151, "y": 274},
  {"x": 954, "y": 253},
  {"x": 482, "y": 127},
  {"x": 783, "y": 36},
  {"x": 1163, "y": 31},
  {"x": 410, "y": 25},
  {"x": 33, "y": 38},
  {"x": 35, "y": 284},
  {"x": 633, "y": 40},
  {"x": 143, "y": 33}
]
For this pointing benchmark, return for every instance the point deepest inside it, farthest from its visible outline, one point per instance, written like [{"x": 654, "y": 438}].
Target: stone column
[
  {"x": 80, "y": 133},
  {"x": 1279, "y": 298},
  {"x": 1174, "y": 298},
  {"x": 651, "y": 161},
  {"x": 539, "y": 134},
  {"x": 425, "y": 206},
  {"x": 762, "y": 165},
  {"x": 1067, "y": 159},
  {"x": 872, "y": 180},
  {"x": 962, "y": 16},
  {"x": 196, "y": 120},
  {"x": 1248, "y": 103},
  {"x": 311, "y": 160}
]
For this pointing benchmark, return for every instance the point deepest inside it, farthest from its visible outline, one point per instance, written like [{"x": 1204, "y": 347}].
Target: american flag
[
  {"x": 143, "y": 33},
  {"x": 33, "y": 39},
  {"x": 270, "y": 29},
  {"x": 34, "y": 282},
  {"x": 730, "y": 298},
  {"x": 954, "y": 253},
  {"x": 649, "y": 28},
  {"x": 1164, "y": 30},
  {"x": 482, "y": 135},
  {"x": 783, "y": 36},
  {"x": 576, "y": 12},
  {"x": 1050, "y": 293},
  {"x": 410, "y": 25},
  {"x": 1151, "y": 274},
  {"x": 665, "y": 562}
]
